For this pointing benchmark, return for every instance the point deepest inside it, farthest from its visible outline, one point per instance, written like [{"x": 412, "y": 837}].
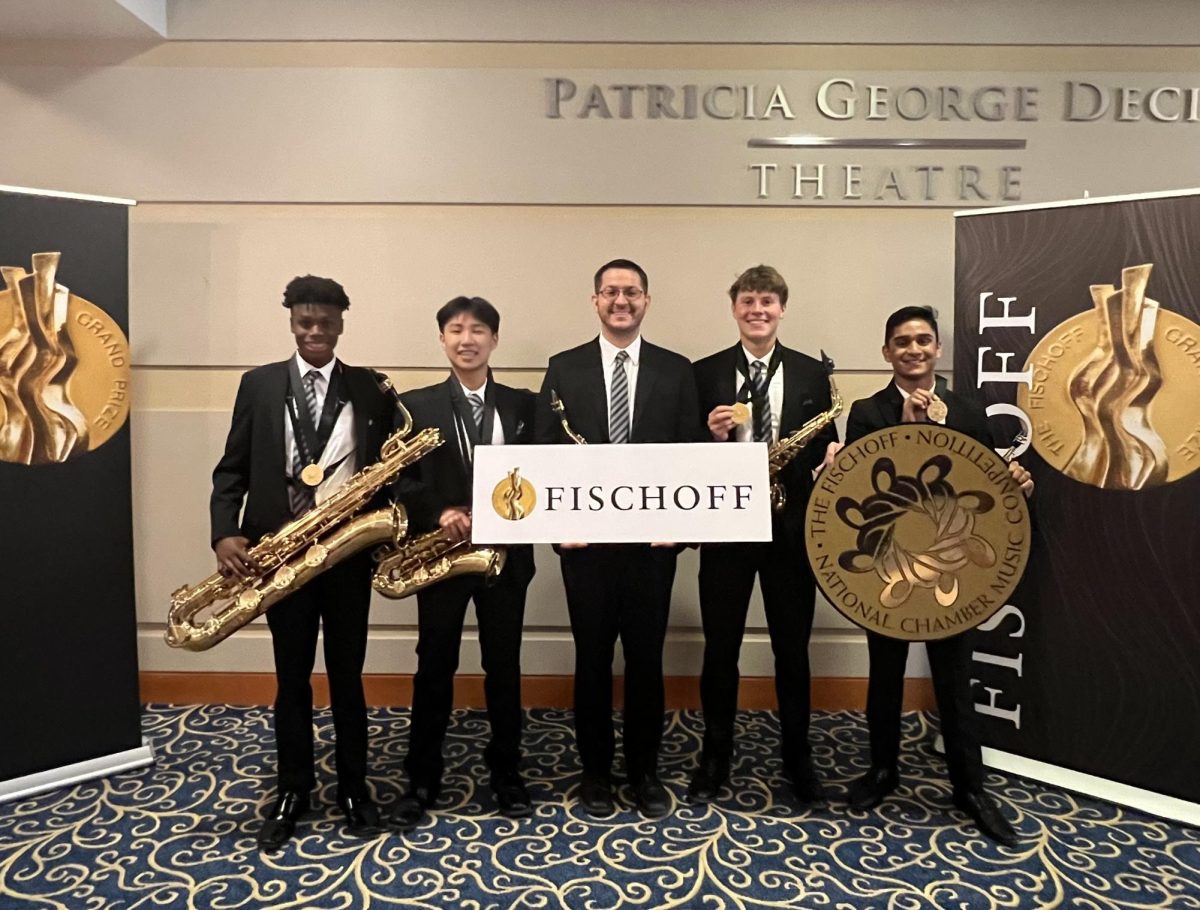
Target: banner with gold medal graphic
[
  {"x": 1080, "y": 323},
  {"x": 68, "y": 652}
]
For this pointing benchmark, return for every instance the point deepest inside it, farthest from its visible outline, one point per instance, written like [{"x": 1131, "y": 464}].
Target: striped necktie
[
  {"x": 761, "y": 401},
  {"x": 302, "y": 497},
  {"x": 476, "y": 401},
  {"x": 618, "y": 409}
]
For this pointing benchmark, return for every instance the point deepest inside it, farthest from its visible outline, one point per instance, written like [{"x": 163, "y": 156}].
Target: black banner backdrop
[
  {"x": 1095, "y": 664},
  {"x": 68, "y": 649}
]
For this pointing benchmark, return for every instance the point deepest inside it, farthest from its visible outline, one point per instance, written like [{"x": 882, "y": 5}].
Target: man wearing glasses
[{"x": 619, "y": 389}]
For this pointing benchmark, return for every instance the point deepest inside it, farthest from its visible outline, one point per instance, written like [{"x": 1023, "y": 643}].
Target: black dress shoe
[
  {"x": 807, "y": 787},
  {"x": 362, "y": 816},
  {"x": 988, "y": 816},
  {"x": 512, "y": 799},
  {"x": 595, "y": 795},
  {"x": 410, "y": 810},
  {"x": 869, "y": 790},
  {"x": 281, "y": 820},
  {"x": 706, "y": 783},
  {"x": 653, "y": 800}
]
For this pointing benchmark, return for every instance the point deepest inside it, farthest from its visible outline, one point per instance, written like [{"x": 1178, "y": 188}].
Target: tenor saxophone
[
  {"x": 780, "y": 455},
  {"x": 209, "y": 612},
  {"x": 406, "y": 568}
]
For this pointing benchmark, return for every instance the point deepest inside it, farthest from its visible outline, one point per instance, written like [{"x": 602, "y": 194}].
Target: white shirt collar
[
  {"x": 765, "y": 358},
  {"x": 608, "y": 350},
  {"x": 306, "y": 367},
  {"x": 904, "y": 394},
  {"x": 481, "y": 391}
]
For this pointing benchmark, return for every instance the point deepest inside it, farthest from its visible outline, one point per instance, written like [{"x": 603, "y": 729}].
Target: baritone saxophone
[
  {"x": 781, "y": 453},
  {"x": 205, "y": 614}
]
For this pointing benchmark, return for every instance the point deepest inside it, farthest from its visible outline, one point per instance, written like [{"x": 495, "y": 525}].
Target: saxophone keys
[{"x": 316, "y": 555}]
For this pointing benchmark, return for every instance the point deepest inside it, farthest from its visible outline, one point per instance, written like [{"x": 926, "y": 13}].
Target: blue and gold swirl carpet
[{"x": 181, "y": 834}]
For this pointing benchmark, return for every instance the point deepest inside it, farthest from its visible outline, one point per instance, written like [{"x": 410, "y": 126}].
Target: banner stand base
[
  {"x": 1157, "y": 804},
  {"x": 68, "y": 775}
]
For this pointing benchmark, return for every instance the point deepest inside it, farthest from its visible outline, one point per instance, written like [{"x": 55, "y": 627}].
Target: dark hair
[
  {"x": 474, "y": 306},
  {"x": 760, "y": 278},
  {"x": 314, "y": 289},
  {"x": 621, "y": 264},
  {"x": 904, "y": 314}
]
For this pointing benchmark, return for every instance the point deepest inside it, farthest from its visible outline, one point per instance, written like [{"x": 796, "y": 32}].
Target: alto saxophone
[
  {"x": 211, "y": 611},
  {"x": 782, "y": 452}
]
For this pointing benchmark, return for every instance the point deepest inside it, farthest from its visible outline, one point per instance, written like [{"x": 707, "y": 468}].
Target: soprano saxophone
[
  {"x": 781, "y": 453},
  {"x": 209, "y": 612}
]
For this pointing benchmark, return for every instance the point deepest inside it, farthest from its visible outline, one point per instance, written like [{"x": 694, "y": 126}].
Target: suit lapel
[
  {"x": 275, "y": 398},
  {"x": 593, "y": 381},
  {"x": 647, "y": 374},
  {"x": 793, "y": 401},
  {"x": 447, "y": 422},
  {"x": 506, "y": 413},
  {"x": 891, "y": 405}
]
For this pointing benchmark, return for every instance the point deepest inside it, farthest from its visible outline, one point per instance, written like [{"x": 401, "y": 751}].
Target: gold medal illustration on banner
[
  {"x": 312, "y": 475},
  {"x": 514, "y": 497},
  {"x": 937, "y": 410},
  {"x": 64, "y": 369},
  {"x": 741, "y": 412},
  {"x": 1113, "y": 398},
  {"x": 917, "y": 532}
]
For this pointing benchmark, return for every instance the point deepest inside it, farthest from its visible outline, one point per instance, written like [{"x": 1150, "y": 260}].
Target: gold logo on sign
[
  {"x": 917, "y": 532},
  {"x": 64, "y": 369},
  {"x": 1113, "y": 402},
  {"x": 514, "y": 497}
]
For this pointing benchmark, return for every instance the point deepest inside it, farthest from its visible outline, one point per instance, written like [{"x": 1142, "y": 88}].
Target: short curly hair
[{"x": 315, "y": 289}]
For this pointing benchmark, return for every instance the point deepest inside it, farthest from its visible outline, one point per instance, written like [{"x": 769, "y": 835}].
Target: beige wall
[{"x": 232, "y": 219}]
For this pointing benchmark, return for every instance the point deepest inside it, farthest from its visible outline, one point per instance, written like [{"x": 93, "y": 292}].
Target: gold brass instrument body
[
  {"x": 558, "y": 408},
  {"x": 209, "y": 612},
  {"x": 406, "y": 568},
  {"x": 780, "y": 455}
]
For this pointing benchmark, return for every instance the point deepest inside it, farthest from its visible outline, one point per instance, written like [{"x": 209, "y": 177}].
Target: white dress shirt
[
  {"x": 608, "y": 356},
  {"x": 340, "y": 450}
]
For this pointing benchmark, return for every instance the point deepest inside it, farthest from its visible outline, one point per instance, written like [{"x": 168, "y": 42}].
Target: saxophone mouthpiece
[
  {"x": 555, "y": 402},
  {"x": 826, "y": 362}
]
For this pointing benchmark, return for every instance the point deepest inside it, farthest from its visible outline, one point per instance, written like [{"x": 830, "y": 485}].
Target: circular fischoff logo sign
[
  {"x": 514, "y": 497},
  {"x": 917, "y": 532}
]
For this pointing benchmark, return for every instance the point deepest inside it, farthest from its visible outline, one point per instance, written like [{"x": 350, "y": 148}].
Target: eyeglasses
[{"x": 614, "y": 293}]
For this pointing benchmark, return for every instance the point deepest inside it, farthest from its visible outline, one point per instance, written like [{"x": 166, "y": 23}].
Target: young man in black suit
[
  {"x": 784, "y": 390},
  {"x": 470, "y": 408},
  {"x": 912, "y": 348},
  {"x": 616, "y": 389},
  {"x": 315, "y": 416}
]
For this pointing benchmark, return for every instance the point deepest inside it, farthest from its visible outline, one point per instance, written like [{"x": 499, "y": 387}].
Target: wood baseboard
[{"x": 829, "y": 693}]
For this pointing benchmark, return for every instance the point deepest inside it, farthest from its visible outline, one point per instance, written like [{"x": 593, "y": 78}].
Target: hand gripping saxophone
[
  {"x": 208, "y": 613},
  {"x": 781, "y": 454}
]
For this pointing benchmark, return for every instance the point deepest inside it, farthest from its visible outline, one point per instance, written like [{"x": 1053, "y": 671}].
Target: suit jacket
[
  {"x": 253, "y": 468},
  {"x": 442, "y": 478},
  {"x": 664, "y": 405},
  {"x": 885, "y": 407},
  {"x": 805, "y": 395}
]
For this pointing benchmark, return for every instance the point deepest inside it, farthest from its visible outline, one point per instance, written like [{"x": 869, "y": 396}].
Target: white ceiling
[
  {"x": 73, "y": 20},
  {"x": 1017, "y": 22}
]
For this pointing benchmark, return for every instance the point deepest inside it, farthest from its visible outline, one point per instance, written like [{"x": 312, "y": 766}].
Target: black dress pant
[
  {"x": 950, "y": 665},
  {"x": 727, "y": 573},
  {"x": 337, "y": 600},
  {"x": 619, "y": 591},
  {"x": 441, "y": 611}
]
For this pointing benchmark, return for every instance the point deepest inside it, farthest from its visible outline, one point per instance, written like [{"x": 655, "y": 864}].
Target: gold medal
[
  {"x": 312, "y": 475},
  {"x": 937, "y": 410},
  {"x": 741, "y": 412}
]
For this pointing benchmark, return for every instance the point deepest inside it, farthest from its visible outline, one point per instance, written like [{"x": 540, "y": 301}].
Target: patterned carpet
[{"x": 181, "y": 834}]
